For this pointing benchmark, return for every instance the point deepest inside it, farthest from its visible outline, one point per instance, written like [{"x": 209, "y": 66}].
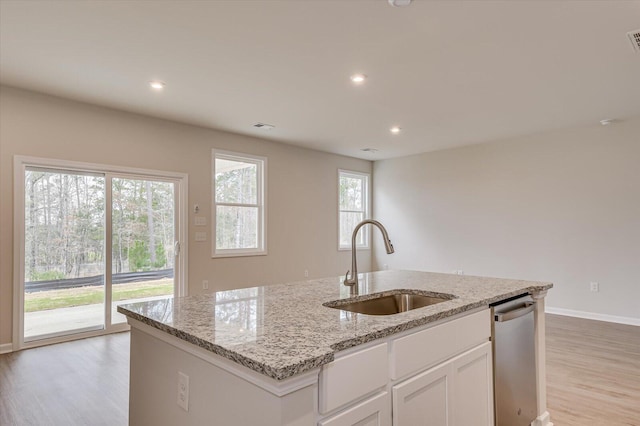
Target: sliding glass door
[
  {"x": 64, "y": 286},
  {"x": 91, "y": 241},
  {"x": 142, "y": 242}
]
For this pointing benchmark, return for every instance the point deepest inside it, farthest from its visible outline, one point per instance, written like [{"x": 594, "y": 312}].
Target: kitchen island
[{"x": 277, "y": 355}]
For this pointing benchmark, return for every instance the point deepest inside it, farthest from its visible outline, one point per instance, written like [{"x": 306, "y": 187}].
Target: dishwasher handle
[{"x": 516, "y": 313}]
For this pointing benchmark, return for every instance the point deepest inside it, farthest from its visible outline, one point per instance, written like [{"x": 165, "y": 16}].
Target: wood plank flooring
[
  {"x": 83, "y": 383},
  {"x": 593, "y": 374}
]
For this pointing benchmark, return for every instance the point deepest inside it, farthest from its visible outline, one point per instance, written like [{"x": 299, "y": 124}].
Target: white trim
[
  {"x": 108, "y": 249},
  {"x": 5, "y": 348},
  {"x": 276, "y": 387},
  {"x": 542, "y": 420},
  {"x": 261, "y": 203},
  {"x": 55, "y": 163},
  {"x": 366, "y": 214},
  {"x": 20, "y": 162},
  {"x": 117, "y": 328},
  {"x": 593, "y": 316}
]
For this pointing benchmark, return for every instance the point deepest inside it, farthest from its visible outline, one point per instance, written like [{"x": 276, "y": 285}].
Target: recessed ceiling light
[
  {"x": 358, "y": 78},
  {"x": 395, "y": 130},
  {"x": 399, "y": 3},
  {"x": 158, "y": 85}
]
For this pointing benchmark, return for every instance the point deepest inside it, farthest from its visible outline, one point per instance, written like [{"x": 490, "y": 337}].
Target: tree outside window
[
  {"x": 238, "y": 204},
  {"x": 353, "y": 207}
]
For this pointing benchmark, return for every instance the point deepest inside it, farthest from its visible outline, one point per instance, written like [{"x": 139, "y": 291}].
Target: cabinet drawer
[
  {"x": 426, "y": 348},
  {"x": 353, "y": 376},
  {"x": 372, "y": 412}
]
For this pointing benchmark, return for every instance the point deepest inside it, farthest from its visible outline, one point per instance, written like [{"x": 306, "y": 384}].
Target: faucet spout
[{"x": 353, "y": 281}]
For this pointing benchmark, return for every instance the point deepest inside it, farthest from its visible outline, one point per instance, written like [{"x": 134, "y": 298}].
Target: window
[
  {"x": 238, "y": 204},
  {"x": 353, "y": 188}
]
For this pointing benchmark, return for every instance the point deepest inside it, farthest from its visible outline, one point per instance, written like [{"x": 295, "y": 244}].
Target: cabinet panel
[
  {"x": 353, "y": 376},
  {"x": 372, "y": 412},
  {"x": 424, "y": 399},
  {"x": 472, "y": 390},
  {"x": 420, "y": 350}
]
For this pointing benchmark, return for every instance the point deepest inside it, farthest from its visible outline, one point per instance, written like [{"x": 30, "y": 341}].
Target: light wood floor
[
  {"x": 83, "y": 383},
  {"x": 593, "y": 374}
]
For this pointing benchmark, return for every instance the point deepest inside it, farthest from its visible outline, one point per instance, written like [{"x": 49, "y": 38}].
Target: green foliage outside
[
  {"x": 47, "y": 276},
  {"x": 65, "y": 225}
]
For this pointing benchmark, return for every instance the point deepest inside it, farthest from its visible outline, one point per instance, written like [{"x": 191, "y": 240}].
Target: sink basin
[{"x": 390, "y": 304}]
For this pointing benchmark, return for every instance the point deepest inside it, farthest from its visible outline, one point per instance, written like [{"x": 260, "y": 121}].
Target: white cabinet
[
  {"x": 457, "y": 392},
  {"x": 350, "y": 377},
  {"x": 372, "y": 412},
  {"x": 473, "y": 387},
  {"x": 424, "y": 399},
  {"x": 437, "y": 376}
]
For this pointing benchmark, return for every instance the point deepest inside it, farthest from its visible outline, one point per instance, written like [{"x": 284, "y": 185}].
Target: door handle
[{"x": 516, "y": 313}]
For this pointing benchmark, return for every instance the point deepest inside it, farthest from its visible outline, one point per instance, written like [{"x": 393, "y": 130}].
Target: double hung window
[
  {"x": 353, "y": 189},
  {"x": 238, "y": 204}
]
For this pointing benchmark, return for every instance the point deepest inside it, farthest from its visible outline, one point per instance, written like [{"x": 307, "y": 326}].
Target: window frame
[
  {"x": 261, "y": 198},
  {"x": 366, "y": 177}
]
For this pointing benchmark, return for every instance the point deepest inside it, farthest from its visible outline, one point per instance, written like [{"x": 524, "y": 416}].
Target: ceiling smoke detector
[
  {"x": 399, "y": 3},
  {"x": 264, "y": 126},
  {"x": 634, "y": 38},
  {"x": 369, "y": 150}
]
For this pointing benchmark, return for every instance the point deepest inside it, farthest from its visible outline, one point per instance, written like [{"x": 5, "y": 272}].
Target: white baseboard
[
  {"x": 593, "y": 316},
  {"x": 5, "y": 348},
  {"x": 542, "y": 420}
]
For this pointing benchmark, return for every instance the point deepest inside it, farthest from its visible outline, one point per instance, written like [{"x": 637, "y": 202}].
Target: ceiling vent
[
  {"x": 634, "y": 38},
  {"x": 263, "y": 126}
]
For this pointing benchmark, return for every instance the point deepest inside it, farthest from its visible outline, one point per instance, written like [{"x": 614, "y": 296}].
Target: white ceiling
[{"x": 450, "y": 73}]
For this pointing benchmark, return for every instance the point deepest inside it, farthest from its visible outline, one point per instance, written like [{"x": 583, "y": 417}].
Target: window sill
[
  {"x": 357, "y": 248},
  {"x": 239, "y": 254}
]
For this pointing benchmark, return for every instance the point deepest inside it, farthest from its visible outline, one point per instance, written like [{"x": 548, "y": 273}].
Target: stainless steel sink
[{"x": 389, "y": 304}]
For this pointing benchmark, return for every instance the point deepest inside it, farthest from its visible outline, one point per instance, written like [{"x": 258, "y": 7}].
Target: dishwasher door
[{"x": 514, "y": 363}]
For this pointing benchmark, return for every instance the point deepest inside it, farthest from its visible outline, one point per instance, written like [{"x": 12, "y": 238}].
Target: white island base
[{"x": 441, "y": 372}]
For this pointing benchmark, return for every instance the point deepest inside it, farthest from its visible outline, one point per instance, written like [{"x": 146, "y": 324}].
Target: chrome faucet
[{"x": 353, "y": 281}]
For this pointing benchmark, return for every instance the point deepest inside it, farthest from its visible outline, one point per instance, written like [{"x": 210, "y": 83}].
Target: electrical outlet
[
  {"x": 460, "y": 272},
  {"x": 183, "y": 391},
  {"x": 205, "y": 284},
  {"x": 306, "y": 273},
  {"x": 594, "y": 286}
]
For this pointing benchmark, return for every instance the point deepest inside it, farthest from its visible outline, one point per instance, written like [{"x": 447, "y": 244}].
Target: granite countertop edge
[{"x": 284, "y": 370}]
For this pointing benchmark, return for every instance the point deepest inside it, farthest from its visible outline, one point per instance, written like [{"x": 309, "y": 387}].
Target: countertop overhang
[{"x": 282, "y": 330}]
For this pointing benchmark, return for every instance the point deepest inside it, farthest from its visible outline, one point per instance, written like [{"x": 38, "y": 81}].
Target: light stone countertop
[{"x": 282, "y": 330}]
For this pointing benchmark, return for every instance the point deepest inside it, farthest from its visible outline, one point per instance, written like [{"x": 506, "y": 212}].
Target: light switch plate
[
  {"x": 200, "y": 221},
  {"x": 201, "y": 236}
]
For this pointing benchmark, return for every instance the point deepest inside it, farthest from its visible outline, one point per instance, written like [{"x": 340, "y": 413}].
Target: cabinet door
[
  {"x": 473, "y": 387},
  {"x": 424, "y": 399},
  {"x": 372, "y": 412}
]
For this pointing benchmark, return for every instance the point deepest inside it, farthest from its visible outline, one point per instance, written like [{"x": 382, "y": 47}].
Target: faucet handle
[{"x": 346, "y": 279}]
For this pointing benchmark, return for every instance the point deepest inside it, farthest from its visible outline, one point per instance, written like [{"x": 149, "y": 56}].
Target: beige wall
[
  {"x": 302, "y": 186},
  {"x": 562, "y": 206}
]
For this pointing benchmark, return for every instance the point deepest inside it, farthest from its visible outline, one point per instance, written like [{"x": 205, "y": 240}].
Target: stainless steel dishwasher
[{"x": 514, "y": 364}]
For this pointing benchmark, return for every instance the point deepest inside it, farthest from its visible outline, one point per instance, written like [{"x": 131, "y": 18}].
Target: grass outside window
[{"x": 70, "y": 297}]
